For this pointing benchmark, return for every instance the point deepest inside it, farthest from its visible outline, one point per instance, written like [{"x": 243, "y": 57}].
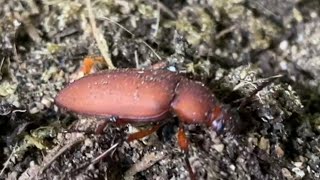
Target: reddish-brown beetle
[{"x": 144, "y": 96}]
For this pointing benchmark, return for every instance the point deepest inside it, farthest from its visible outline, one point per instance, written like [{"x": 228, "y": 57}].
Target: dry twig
[
  {"x": 158, "y": 20},
  {"x": 101, "y": 41},
  {"x": 144, "y": 42},
  {"x": 97, "y": 159},
  {"x": 226, "y": 31},
  {"x": 5, "y": 165},
  {"x": 61, "y": 151}
]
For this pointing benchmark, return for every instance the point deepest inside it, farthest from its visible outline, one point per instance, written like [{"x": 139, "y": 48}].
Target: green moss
[{"x": 196, "y": 24}]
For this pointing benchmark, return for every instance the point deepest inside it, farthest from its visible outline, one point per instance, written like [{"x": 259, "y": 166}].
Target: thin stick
[
  {"x": 153, "y": 51},
  {"x": 266, "y": 82},
  {"x": 158, "y": 20},
  {"x": 1, "y": 64},
  {"x": 189, "y": 168},
  {"x": 166, "y": 10},
  {"x": 136, "y": 58},
  {"x": 226, "y": 31},
  {"x": 8, "y": 160},
  {"x": 101, "y": 41},
  {"x": 142, "y": 41},
  {"x": 97, "y": 159},
  {"x": 122, "y": 27},
  {"x": 60, "y": 152}
]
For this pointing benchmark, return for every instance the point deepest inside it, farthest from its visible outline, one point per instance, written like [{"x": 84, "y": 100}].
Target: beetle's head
[{"x": 218, "y": 118}]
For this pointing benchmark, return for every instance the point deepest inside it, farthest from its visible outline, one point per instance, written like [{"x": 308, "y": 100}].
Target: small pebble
[
  {"x": 219, "y": 147},
  {"x": 88, "y": 143},
  {"x": 286, "y": 173},
  {"x": 284, "y": 45},
  {"x": 34, "y": 110},
  {"x": 46, "y": 102},
  {"x": 279, "y": 151},
  {"x": 298, "y": 164},
  {"x": 232, "y": 167},
  {"x": 264, "y": 144},
  {"x": 298, "y": 172}
]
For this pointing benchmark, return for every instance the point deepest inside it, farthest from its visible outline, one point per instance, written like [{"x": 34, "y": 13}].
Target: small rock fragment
[
  {"x": 298, "y": 172},
  {"x": 279, "y": 151},
  {"x": 264, "y": 144},
  {"x": 219, "y": 147},
  {"x": 286, "y": 173}
]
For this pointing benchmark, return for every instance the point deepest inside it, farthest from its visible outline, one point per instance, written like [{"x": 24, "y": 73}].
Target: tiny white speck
[{"x": 284, "y": 45}]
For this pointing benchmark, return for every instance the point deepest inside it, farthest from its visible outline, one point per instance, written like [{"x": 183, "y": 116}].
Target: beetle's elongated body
[{"x": 142, "y": 96}]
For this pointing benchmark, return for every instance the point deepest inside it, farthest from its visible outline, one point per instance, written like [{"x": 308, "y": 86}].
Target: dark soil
[{"x": 260, "y": 58}]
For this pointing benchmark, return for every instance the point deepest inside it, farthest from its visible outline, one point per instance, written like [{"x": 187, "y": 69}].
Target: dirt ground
[{"x": 260, "y": 58}]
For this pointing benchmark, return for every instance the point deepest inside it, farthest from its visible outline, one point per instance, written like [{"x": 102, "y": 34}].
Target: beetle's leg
[
  {"x": 103, "y": 123},
  {"x": 182, "y": 139},
  {"x": 90, "y": 62},
  {"x": 184, "y": 145},
  {"x": 87, "y": 65},
  {"x": 143, "y": 133},
  {"x": 100, "y": 126}
]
